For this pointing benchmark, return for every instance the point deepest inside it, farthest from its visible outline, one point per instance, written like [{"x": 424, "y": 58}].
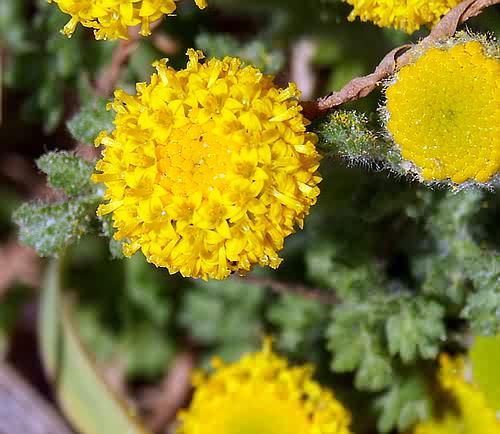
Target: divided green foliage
[
  {"x": 483, "y": 308},
  {"x": 50, "y": 228},
  {"x": 365, "y": 335},
  {"x": 348, "y": 135},
  {"x": 405, "y": 403},
  {"x": 300, "y": 322},
  {"x": 416, "y": 329},
  {"x": 43, "y": 62},
  {"x": 351, "y": 274},
  {"x": 91, "y": 120},
  {"x": 67, "y": 172},
  {"x": 472, "y": 279},
  {"x": 224, "y": 314},
  {"x": 356, "y": 339},
  {"x": 256, "y": 53}
]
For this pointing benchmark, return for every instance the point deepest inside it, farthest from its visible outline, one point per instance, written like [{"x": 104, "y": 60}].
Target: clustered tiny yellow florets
[
  {"x": 261, "y": 394},
  {"x": 443, "y": 113},
  {"x": 407, "y": 15},
  {"x": 209, "y": 168},
  {"x": 470, "y": 413},
  {"x": 112, "y": 19}
]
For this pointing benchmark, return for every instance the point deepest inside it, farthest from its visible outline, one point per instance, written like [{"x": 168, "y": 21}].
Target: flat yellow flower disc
[
  {"x": 262, "y": 394},
  {"x": 444, "y": 113}
]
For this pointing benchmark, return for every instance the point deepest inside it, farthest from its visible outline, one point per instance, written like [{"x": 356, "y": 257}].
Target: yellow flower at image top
[
  {"x": 443, "y": 113},
  {"x": 111, "y": 19},
  {"x": 470, "y": 413},
  {"x": 261, "y": 394},
  {"x": 407, "y": 15},
  {"x": 209, "y": 168}
]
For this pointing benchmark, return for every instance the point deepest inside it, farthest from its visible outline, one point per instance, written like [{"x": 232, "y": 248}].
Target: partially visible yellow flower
[
  {"x": 112, "y": 19},
  {"x": 471, "y": 414},
  {"x": 444, "y": 111},
  {"x": 485, "y": 360},
  {"x": 407, "y": 15},
  {"x": 209, "y": 168},
  {"x": 261, "y": 394}
]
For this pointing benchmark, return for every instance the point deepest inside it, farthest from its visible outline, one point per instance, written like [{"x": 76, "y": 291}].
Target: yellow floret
[
  {"x": 111, "y": 19},
  {"x": 209, "y": 168},
  {"x": 262, "y": 394},
  {"x": 407, "y": 15},
  {"x": 444, "y": 113},
  {"x": 470, "y": 414}
]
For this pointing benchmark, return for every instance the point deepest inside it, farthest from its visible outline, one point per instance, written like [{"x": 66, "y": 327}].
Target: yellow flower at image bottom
[
  {"x": 261, "y": 394},
  {"x": 471, "y": 414},
  {"x": 407, "y": 15},
  {"x": 111, "y": 19},
  {"x": 209, "y": 168},
  {"x": 444, "y": 113}
]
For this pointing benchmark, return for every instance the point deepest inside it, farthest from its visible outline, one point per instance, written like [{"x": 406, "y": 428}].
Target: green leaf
[
  {"x": 346, "y": 134},
  {"x": 67, "y": 172},
  {"x": 407, "y": 402},
  {"x": 146, "y": 291},
  {"x": 146, "y": 350},
  {"x": 214, "y": 311},
  {"x": 350, "y": 273},
  {"x": 356, "y": 340},
  {"x": 300, "y": 322},
  {"x": 50, "y": 228},
  {"x": 482, "y": 309},
  {"x": 416, "y": 329},
  {"x": 93, "y": 118},
  {"x": 86, "y": 399}
]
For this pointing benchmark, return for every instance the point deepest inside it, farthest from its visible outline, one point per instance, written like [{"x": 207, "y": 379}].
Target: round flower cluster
[
  {"x": 470, "y": 414},
  {"x": 443, "y": 113},
  {"x": 262, "y": 394},
  {"x": 407, "y": 15},
  {"x": 209, "y": 168},
  {"x": 112, "y": 19}
]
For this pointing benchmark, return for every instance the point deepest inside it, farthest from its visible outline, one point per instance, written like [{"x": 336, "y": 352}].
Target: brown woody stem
[{"x": 360, "y": 87}]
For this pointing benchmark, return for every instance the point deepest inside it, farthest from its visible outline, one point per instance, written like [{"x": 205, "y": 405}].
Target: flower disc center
[{"x": 193, "y": 160}]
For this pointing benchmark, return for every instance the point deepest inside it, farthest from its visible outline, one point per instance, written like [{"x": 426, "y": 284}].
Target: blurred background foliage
[{"x": 404, "y": 271}]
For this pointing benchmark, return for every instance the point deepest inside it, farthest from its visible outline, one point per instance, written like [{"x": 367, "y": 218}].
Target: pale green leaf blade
[{"x": 86, "y": 399}]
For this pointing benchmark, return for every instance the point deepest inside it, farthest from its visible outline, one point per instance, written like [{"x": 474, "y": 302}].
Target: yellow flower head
[
  {"x": 262, "y": 394},
  {"x": 471, "y": 413},
  {"x": 209, "y": 168},
  {"x": 112, "y": 19},
  {"x": 443, "y": 113},
  {"x": 407, "y": 15}
]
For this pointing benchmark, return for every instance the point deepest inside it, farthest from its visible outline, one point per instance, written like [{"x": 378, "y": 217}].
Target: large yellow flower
[
  {"x": 112, "y": 19},
  {"x": 209, "y": 168},
  {"x": 407, "y": 15},
  {"x": 472, "y": 414},
  {"x": 261, "y": 394},
  {"x": 444, "y": 111}
]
